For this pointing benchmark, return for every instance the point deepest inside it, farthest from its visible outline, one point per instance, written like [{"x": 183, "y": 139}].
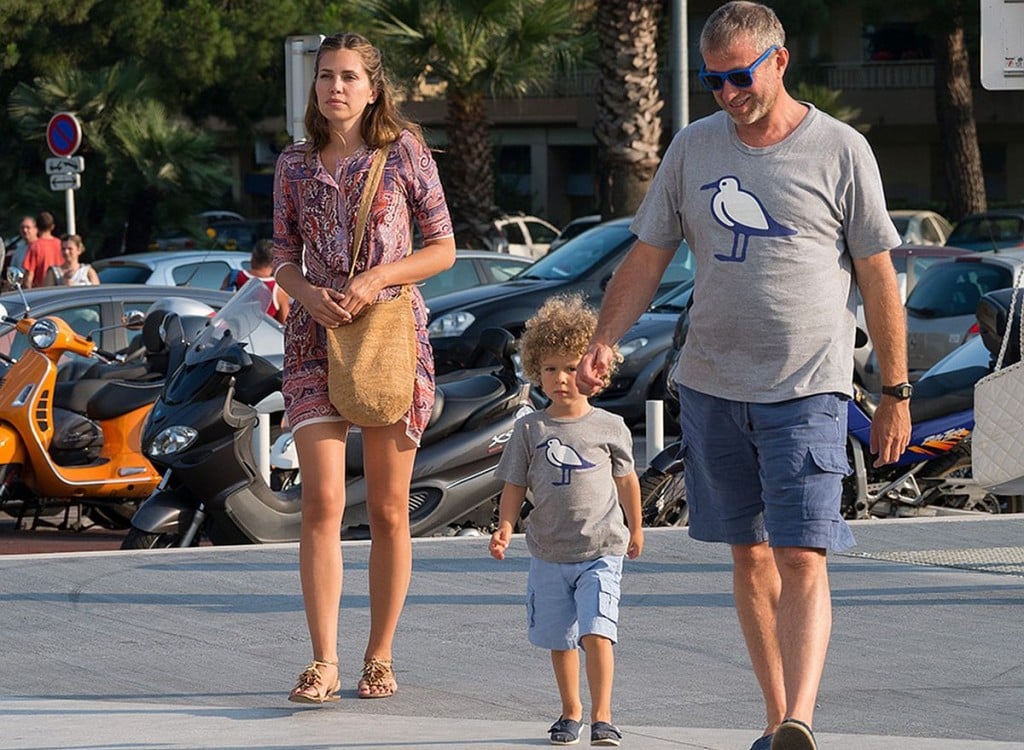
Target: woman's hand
[
  {"x": 325, "y": 306},
  {"x": 360, "y": 291}
]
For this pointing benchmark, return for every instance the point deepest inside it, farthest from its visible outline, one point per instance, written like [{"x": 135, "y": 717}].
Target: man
[
  {"x": 16, "y": 253},
  {"x": 783, "y": 209},
  {"x": 43, "y": 252}
]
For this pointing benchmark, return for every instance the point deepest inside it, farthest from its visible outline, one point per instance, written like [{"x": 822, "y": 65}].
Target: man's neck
[{"x": 777, "y": 125}]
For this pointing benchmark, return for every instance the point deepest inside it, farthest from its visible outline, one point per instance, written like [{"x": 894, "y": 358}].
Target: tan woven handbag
[{"x": 371, "y": 362}]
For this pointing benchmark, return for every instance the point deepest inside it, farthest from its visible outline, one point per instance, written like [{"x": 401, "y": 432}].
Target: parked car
[
  {"x": 87, "y": 309},
  {"x": 584, "y": 264},
  {"x": 573, "y": 228},
  {"x": 237, "y": 235},
  {"x": 193, "y": 268},
  {"x": 992, "y": 230},
  {"x": 473, "y": 268},
  {"x": 645, "y": 349},
  {"x": 919, "y": 227},
  {"x": 910, "y": 262},
  {"x": 524, "y": 235},
  {"x": 940, "y": 309}
]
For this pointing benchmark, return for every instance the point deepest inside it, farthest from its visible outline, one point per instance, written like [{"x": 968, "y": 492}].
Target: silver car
[
  {"x": 206, "y": 269},
  {"x": 940, "y": 309}
]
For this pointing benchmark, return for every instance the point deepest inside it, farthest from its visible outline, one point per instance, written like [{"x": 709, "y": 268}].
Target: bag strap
[
  {"x": 1014, "y": 299},
  {"x": 369, "y": 192}
]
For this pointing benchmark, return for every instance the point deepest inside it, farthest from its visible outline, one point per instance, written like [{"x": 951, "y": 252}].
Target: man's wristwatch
[{"x": 901, "y": 391}]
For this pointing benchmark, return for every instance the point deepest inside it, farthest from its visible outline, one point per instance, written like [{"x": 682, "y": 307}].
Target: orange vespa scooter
[{"x": 53, "y": 456}]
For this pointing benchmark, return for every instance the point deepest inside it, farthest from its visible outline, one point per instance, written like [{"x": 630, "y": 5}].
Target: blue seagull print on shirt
[
  {"x": 564, "y": 457},
  {"x": 742, "y": 213}
]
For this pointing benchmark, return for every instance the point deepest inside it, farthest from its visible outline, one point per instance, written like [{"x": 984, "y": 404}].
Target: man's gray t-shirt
[
  {"x": 568, "y": 466},
  {"x": 773, "y": 231}
]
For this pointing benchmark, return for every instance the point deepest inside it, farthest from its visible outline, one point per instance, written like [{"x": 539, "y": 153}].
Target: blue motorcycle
[{"x": 934, "y": 471}]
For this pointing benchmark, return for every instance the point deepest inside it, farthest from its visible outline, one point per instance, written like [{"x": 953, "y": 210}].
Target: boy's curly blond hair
[{"x": 563, "y": 325}]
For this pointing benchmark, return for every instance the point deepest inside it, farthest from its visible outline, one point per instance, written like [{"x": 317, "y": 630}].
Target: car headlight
[
  {"x": 450, "y": 324},
  {"x": 43, "y": 333},
  {"x": 633, "y": 345},
  {"x": 172, "y": 440}
]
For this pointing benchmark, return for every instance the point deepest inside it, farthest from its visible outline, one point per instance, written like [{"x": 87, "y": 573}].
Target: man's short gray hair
[{"x": 741, "y": 18}]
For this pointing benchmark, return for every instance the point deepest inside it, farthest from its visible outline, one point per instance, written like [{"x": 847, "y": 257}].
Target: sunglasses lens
[
  {"x": 712, "y": 82},
  {"x": 741, "y": 80}
]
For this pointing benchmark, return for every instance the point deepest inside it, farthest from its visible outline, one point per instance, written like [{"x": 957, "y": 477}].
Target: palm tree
[
  {"x": 141, "y": 164},
  {"x": 628, "y": 124},
  {"x": 478, "y": 49}
]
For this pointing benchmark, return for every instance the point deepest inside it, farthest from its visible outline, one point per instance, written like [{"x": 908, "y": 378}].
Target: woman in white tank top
[{"x": 72, "y": 273}]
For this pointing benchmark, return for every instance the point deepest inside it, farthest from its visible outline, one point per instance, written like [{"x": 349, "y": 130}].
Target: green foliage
[{"x": 829, "y": 101}]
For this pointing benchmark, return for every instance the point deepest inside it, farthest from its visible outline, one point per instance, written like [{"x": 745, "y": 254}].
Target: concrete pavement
[{"x": 198, "y": 648}]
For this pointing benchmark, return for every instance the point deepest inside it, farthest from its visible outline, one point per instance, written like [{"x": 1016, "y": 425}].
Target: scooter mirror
[
  {"x": 133, "y": 320},
  {"x": 15, "y": 276}
]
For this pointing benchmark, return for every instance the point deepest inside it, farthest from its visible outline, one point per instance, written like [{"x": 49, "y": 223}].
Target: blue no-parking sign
[{"x": 63, "y": 134}]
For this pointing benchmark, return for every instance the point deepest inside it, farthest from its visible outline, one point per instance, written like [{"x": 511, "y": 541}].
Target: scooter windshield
[{"x": 236, "y": 320}]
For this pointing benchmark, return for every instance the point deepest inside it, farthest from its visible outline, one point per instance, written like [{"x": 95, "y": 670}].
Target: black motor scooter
[{"x": 201, "y": 431}]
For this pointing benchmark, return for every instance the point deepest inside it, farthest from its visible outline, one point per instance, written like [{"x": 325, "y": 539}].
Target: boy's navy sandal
[
  {"x": 793, "y": 734},
  {"x": 565, "y": 731},
  {"x": 763, "y": 743},
  {"x": 604, "y": 734}
]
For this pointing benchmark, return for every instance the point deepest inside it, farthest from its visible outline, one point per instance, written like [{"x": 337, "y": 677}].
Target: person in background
[
  {"x": 71, "y": 272},
  {"x": 350, "y": 115},
  {"x": 28, "y": 232},
  {"x": 261, "y": 266},
  {"x": 577, "y": 463},
  {"x": 775, "y": 198},
  {"x": 44, "y": 252}
]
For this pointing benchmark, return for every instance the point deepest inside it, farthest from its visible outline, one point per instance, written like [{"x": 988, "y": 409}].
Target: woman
[
  {"x": 71, "y": 272},
  {"x": 317, "y": 189}
]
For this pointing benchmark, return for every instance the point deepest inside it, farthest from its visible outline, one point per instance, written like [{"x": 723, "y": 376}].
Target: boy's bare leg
[
  {"x": 567, "y": 674},
  {"x": 600, "y": 666}
]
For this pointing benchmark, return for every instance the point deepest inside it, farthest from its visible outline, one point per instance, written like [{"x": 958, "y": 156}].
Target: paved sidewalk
[{"x": 198, "y": 648}]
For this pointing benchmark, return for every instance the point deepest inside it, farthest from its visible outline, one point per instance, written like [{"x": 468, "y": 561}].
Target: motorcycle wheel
[
  {"x": 138, "y": 539},
  {"x": 663, "y": 499},
  {"x": 961, "y": 468}
]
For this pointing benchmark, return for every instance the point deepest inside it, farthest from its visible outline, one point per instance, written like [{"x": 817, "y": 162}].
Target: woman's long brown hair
[{"x": 382, "y": 122}]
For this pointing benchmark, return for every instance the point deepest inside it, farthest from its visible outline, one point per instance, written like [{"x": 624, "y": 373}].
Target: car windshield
[
  {"x": 675, "y": 300},
  {"x": 577, "y": 256},
  {"x": 901, "y": 222},
  {"x": 987, "y": 229},
  {"x": 123, "y": 274},
  {"x": 949, "y": 289}
]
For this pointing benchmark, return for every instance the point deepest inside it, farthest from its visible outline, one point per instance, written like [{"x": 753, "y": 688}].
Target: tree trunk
[
  {"x": 628, "y": 122},
  {"x": 469, "y": 168},
  {"x": 954, "y": 105}
]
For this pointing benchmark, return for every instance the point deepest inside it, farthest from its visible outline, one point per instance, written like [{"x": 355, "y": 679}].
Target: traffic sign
[
  {"x": 63, "y": 134},
  {"x": 71, "y": 181},
  {"x": 65, "y": 165}
]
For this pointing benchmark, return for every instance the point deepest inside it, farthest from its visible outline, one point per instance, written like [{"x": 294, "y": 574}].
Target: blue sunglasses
[{"x": 739, "y": 77}]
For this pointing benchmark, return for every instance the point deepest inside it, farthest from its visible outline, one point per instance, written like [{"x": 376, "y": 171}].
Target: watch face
[{"x": 902, "y": 391}]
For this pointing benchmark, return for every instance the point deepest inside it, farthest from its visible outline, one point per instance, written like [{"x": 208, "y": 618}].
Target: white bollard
[
  {"x": 261, "y": 446},
  {"x": 655, "y": 428}
]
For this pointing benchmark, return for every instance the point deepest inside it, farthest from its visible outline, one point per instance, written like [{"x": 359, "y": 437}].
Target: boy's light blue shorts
[
  {"x": 566, "y": 601},
  {"x": 757, "y": 472}
]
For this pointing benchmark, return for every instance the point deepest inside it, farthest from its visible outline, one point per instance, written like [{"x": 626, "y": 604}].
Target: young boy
[
  {"x": 577, "y": 462},
  {"x": 261, "y": 267}
]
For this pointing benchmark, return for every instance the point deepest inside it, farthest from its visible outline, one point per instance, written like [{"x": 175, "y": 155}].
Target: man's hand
[
  {"x": 594, "y": 369},
  {"x": 890, "y": 430}
]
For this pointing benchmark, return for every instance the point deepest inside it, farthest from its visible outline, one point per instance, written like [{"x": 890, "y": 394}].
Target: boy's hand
[
  {"x": 636, "y": 544},
  {"x": 499, "y": 542}
]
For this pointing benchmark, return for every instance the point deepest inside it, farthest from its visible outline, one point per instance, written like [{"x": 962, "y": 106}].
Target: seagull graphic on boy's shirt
[{"x": 564, "y": 457}]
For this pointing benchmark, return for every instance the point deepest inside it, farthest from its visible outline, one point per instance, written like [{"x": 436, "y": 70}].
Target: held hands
[
  {"x": 500, "y": 541},
  {"x": 593, "y": 371}
]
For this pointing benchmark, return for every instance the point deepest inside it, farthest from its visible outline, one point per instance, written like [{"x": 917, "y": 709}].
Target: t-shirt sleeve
[
  {"x": 515, "y": 458},
  {"x": 657, "y": 221},
  {"x": 867, "y": 225},
  {"x": 622, "y": 450}
]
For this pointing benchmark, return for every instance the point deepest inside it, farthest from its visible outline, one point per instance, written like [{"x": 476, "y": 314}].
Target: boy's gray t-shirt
[
  {"x": 773, "y": 231},
  {"x": 568, "y": 466}
]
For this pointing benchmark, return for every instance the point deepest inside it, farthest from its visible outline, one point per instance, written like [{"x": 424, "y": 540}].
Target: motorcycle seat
[
  {"x": 455, "y": 402},
  {"x": 119, "y": 397},
  {"x": 74, "y": 395},
  {"x": 936, "y": 396}
]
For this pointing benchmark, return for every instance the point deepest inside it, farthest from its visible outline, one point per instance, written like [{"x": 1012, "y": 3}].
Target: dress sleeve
[
  {"x": 426, "y": 195},
  {"x": 287, "y": 238}
]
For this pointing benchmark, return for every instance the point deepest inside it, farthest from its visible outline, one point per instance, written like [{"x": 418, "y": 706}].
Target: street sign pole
[{"x": 64, "y": 136}]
